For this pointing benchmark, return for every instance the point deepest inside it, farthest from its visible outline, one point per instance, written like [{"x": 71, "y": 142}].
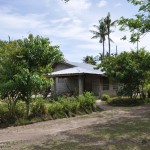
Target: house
[{"x": 75, "y": 78}]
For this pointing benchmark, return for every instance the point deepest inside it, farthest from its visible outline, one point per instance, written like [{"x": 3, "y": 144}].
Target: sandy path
[{"x": 38, "y": 131}]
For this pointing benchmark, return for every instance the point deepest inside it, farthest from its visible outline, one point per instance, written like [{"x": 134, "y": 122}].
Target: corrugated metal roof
[{"x": 79, "y": 68}]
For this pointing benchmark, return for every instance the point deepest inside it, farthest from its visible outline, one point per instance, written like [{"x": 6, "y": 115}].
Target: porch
[{"x": 77, "y": 84}]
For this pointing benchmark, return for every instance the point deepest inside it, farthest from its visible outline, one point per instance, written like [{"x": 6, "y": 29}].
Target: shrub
[
  {"x": 125, "y": 102},
  {"x": 42, "y": 110},
  {"x": 4, "y": 114},
  {"x": 147, "y": 101},
  {"x": 20, "y": 109},
  {"x": 105, "y": 97},
  {"x": 86, "y": 101},
  {"x": 147, "y": 88},
  {"x": 38, "y": 107},
  {"x": 55, "y": 109},
  {"x": 70, "y": 105},
  {"x": 22, "y": 121}
]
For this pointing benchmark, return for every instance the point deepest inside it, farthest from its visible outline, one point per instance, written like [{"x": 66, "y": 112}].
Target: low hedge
[
  {"x": 125, "y": 102},
  {"x": 105, "y": 97},
  {"x": 43, "y": 110}
]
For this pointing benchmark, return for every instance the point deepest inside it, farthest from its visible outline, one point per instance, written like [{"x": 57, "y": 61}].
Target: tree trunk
[
  {"x": 28, "y": 96},
  {"x": 28, "y": 107},
  {"x": 103, "y": 49},
  {"x": 137, "y": 46},
  {"x": 109, "y": 43},
  {"x": 148, "y": 95}
]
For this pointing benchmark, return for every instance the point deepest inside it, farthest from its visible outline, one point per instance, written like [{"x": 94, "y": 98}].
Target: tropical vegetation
[
  {"x": 131, "y": 70},
  {"x": 100, "y": 33},
  {"x": 24, "y": 64},
  {"x": 47, "y": 109},
  {"x": 90, "y": 60}
]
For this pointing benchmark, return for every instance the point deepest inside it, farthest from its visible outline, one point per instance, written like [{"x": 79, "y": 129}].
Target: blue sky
[{"x": 66, "y": 24}]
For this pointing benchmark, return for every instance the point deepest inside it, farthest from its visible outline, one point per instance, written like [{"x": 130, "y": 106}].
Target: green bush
[
  {"x": 42, "y": 110},
  {"x": 38, "y": 108},
  {"x": 147, "y": 88},
  {"x": 4, "y": 114},
  {"x": 147, "y": 101},
  {"x": 70, "y": 105},
  {"x": 22, "y": 121},
  {"x": 20, "y": 109},
  {"x": 55, "y": 109},
  {"x": 124, "y": 102},
  {"x": 87, "y": 101},
  {"x": 105, "y": 97}
]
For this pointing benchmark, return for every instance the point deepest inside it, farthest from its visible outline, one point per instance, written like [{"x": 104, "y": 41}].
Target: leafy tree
[
  {"x": 109, "y": 24},
  {"x": 24, "y": 66},
  {"x": 8, "y": 90},
  {"x": 90, "y": 60},
  {"x": 130, "y": 69},
  {"x": 140, "y": 25},
  {"x": 101, "y": 32}
]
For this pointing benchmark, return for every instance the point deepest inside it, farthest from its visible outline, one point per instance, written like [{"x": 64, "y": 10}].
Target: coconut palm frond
[
  {"x": 113, "y": 23},
  {"x": 111, "y": 40},
  {"x": 94, "y": 32},
  {"x": 95, "y": 37},
  {"x": 101, "y": 32}
]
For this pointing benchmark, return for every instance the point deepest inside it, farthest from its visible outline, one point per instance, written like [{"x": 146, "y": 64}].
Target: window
[{"x": 105, "y": 84}]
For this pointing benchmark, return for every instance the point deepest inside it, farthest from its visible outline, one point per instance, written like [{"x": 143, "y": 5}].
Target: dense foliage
[
  {"x": 90, "y": 60},
  {"x": 42, "y": 109},
  {"x": 131, "y": 70},
  {"x": 140, "y": 24},
  {"x": 24, "y": 64},
  {"x": 105, "y": 97},
  {"x": 126, "y": 102}
]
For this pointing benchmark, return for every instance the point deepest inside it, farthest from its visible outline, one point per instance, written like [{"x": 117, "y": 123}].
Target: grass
[{"x": 127, "y": 134}]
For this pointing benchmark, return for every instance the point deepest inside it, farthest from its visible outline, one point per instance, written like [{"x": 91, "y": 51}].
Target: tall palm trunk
[
  {"x": 109, "y": 41},
  {"x": 100, "y": 33},
  {"x": 109, "y": 24},
  {"x": 103, "y": 49}
]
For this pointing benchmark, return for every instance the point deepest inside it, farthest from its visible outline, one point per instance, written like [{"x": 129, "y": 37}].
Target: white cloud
[
  {"x": 118, "y": 5},
  {"x": 102, "y": 3},
  {"x": 68, "y": 27},
  {"x": 61, "y": 21},
  {"x": 95, "y": 47},
  {"x": 19, "y": 22},
  {"x": 71, "y": 29},
  {"x": 17, "y": 25},
  {"x": 75, "y": 6}
]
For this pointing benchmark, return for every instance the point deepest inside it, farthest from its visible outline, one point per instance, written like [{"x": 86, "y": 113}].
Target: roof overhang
[{"x": 73, "y": 74}]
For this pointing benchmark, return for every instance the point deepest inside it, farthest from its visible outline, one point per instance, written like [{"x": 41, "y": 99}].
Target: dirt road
[{"x": 33, "y": 133}]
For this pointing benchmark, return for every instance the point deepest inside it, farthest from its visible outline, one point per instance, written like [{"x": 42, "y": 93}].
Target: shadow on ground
[{"x": 132, "y": 133}]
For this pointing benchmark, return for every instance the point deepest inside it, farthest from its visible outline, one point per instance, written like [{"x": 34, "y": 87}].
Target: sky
[{"x": 67, "y": 25}]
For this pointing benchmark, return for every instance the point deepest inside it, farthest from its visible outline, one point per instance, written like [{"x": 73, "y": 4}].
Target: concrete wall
[
  {"x": 93, "y": 83},
  {"x": 66, "y": 85},
  {"x": 111, "y": 91}
]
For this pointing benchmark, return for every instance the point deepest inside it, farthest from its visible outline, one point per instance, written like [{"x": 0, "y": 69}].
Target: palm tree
[
  {"x": 109, "y": 24},
  {"x": 100, "y": 33},
  {"x": 89, "y": 60}
]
